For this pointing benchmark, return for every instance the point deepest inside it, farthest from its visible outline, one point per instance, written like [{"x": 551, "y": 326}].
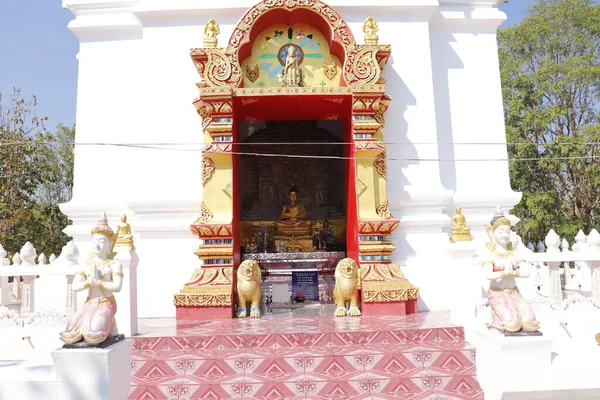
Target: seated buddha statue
[
  {"x": 293, "y": 220},
  {"x": 460, "y": 230}
]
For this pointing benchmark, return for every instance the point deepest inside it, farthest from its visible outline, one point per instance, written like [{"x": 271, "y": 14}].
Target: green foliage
[
  {"x": 36, "y": 170},
  {"x": 550, "y": 73}
]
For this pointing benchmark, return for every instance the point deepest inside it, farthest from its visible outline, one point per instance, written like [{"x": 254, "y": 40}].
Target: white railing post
[
  {"x": 68, "y": 258},
  {"x": 564, "y": 246},
  {"x": 28, "y": 255},
  {"x": 554, "y": 285},
  {"x": 593, "y": 261},
  {"x": 16, "y": 289},
  {"x": 582, "y": 273},
  {"x": 28, "y": 299},
  {"x": 4, "y": 291}
]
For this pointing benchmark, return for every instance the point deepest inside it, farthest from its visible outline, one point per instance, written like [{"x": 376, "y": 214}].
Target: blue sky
[{"x": 39, "y": 51}]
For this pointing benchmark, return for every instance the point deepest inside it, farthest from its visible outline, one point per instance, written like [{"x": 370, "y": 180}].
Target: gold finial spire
[
  {"x": 211, "y": 30},
  {"x": 370, "y": 29}
]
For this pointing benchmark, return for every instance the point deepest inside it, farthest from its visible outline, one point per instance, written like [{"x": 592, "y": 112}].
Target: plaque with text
[{"x": 307, "y": 283}]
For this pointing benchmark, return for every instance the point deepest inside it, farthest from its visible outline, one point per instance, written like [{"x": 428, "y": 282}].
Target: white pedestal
[
  {"x": 467, "y": 290},
  {"x": 508, "y": 365},
  {"x": 127, "y": 298},
  {"x": 95, "y": 373}
]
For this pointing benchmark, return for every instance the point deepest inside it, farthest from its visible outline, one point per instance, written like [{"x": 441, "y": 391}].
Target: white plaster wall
[{"x": 137, "y": 82}]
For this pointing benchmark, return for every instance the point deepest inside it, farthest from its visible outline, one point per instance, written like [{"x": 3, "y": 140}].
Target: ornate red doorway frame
[{"x": 358, "y": 98}]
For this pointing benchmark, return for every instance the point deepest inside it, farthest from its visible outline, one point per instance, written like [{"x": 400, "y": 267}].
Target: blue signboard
[{"x": 306, "y": 283}]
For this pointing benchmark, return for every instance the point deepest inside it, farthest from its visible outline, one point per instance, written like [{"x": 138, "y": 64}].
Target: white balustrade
[
  {"x": 584, "y": 255},
  {"x": 25, "y": 273}
]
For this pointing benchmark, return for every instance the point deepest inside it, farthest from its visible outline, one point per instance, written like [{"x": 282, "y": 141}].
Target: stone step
[
  {"x": 380, "y": 368},
  {"x": 407, "y": 357}
]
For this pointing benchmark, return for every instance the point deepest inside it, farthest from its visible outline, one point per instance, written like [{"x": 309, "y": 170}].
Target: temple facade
[{"x": 294, "y": 133}]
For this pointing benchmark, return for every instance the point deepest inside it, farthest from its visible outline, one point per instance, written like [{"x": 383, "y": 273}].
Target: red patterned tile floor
[{"x": 419, "y": 356}]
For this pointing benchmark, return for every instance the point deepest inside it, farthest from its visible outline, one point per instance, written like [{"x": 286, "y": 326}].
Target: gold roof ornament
[
  {"x": 370, "y": 29},
  {"x": 211, "y": 30},
  {"x": 102, "y": 227}
]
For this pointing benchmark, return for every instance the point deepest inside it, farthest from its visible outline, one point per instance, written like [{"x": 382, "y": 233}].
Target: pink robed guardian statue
[
  {"x": 102, "y": 276},
  {"x": 511, "y": 314}
]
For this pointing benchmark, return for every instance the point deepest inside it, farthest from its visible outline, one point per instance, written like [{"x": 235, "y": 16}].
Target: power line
[
  {"x": 17, "y": 142},
  {"x": 160, "y": 147}
]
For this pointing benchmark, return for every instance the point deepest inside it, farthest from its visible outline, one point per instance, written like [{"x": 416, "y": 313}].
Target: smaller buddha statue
[
  {"x": 102, "y": 276},
  {"x": 292, "y": 74},
  {"x": 211, "y": 30},
  {"x": 460, "y": 231},
  {"x": 370, "y": 29},
  {"x": 124, "y": 239},
  {"x": 502, "y": 265}
]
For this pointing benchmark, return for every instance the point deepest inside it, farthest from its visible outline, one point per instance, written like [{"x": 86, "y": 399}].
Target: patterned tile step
[
  {"x": 365, "y": 386},
  {"x": 302, "y": 339},
  {"x": 419, "y": 356},
  {"x": 163, "y": 327}
]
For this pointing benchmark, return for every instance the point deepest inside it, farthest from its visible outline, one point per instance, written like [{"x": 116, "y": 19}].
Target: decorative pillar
[
  {"x": 209, "y": 292},
  {"x": 385, "y": 289},
  {"x": 470, "y": 127}
]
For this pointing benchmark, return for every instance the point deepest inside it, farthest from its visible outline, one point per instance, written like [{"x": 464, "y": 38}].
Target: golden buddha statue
[
  {"x": 293, "y": 218},
  {"x": 460, "y": 231},
  {"x": 293, "y": 225},
  {"x": 124, "y": 238}
]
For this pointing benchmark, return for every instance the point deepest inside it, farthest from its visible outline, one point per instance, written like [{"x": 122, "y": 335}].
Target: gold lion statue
[
  {"x": 248, "y": 289},
  {"x": 347, "y": 284}
]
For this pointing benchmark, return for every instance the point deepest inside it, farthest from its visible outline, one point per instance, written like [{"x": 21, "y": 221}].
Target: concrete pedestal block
[
  {"x": 514, "y": 364},
  {"x": 95, "y": 374}
]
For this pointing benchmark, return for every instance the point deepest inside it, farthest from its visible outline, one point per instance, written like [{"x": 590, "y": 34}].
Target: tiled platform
[{"x": 419, "y": 356}]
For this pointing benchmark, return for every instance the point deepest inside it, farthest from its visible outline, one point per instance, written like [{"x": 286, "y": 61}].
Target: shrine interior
[
  {"x": 297, "y": 243},
  {"x": 303, "y": 149}
]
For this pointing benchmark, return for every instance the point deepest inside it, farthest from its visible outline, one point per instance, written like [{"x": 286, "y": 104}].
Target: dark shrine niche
[{"x": 266, "y": 180}]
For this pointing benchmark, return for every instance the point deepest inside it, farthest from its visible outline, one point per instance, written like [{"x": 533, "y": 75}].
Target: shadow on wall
[
  {"x": 400, "y": 152},
  {"x": 444, "y": 59}
]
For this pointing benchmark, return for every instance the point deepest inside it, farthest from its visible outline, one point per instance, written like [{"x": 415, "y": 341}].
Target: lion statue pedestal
[
  {"x": 248, "y": 289},
  {"x": 347, "y": 284}
]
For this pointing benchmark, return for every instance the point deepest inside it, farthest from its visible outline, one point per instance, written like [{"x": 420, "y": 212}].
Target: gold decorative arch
[{"x": 222, "y": 89}]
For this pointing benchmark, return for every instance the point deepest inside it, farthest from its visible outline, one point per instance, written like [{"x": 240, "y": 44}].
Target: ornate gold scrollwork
[
  {"x": 383, "y": 210},
  {"x": 208, "y": 169},
  {"x": 206, "y": 215},
  {"x": 380, "y": 165}
]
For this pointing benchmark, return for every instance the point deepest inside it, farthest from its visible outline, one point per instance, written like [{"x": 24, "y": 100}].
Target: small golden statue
[
  {"x": 248, "y": 289},
  {"x": 124, "y": 239},
  {"x": 211, "y": 30},
  {"x": 370, "y": 29},
  {"x": 347, "y": 284},
  {"x": 460, "y": 231}
]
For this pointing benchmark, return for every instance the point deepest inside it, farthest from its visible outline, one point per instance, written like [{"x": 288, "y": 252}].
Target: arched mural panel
[{"x": 265, "y": 65}]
